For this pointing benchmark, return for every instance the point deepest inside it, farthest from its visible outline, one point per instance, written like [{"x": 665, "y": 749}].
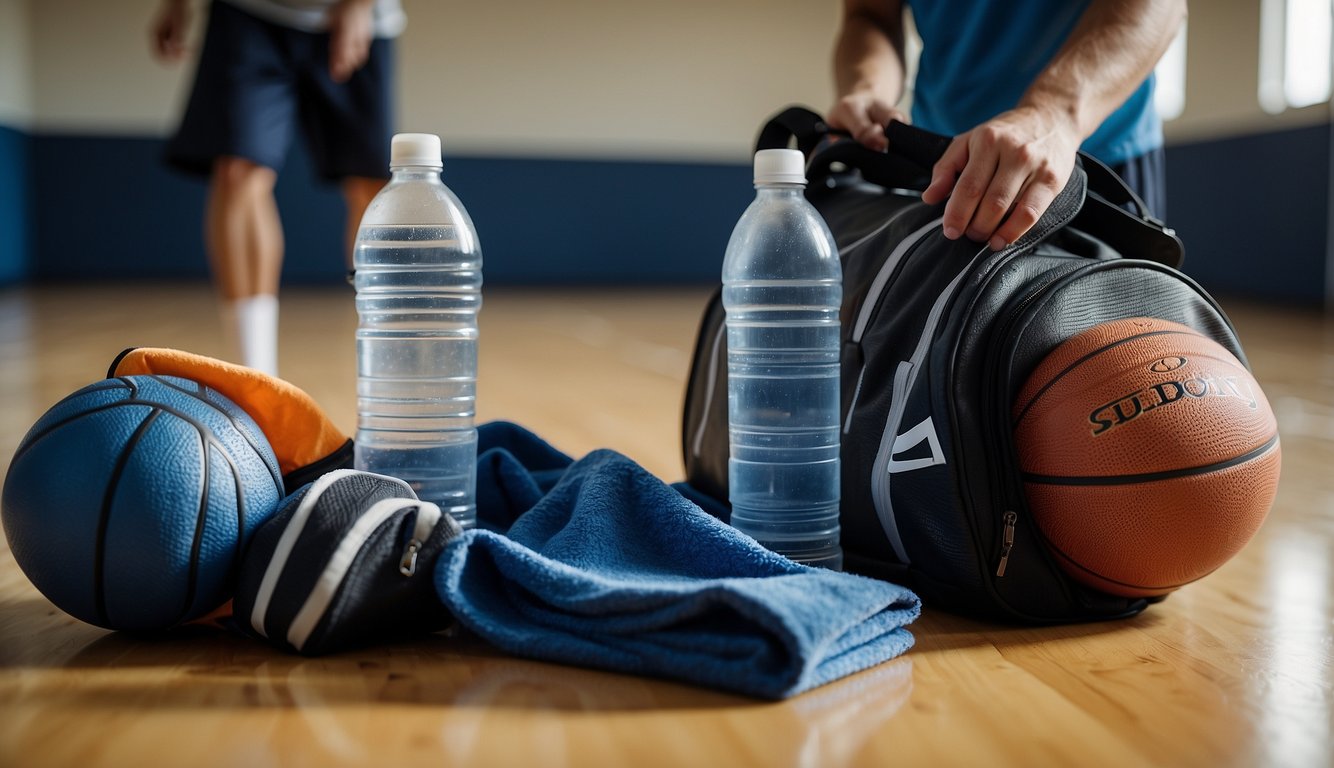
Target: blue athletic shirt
[{"x": 978, "y": 58}]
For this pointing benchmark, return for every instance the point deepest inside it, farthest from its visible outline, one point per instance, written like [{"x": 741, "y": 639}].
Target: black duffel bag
[{"x": 938, "y": 337}]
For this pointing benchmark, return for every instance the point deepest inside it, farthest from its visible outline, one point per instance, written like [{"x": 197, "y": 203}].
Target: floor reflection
[
  {"x": 460, "y": 698},
  {"x": 1297, "y": 688},
  {"x": 18, "y": 379}
]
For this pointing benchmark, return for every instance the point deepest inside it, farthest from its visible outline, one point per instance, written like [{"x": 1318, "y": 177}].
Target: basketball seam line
[
  {"x": 90, "y": 389},
  {"x": 238, "y": 550},
  {"x": 201, "y": 522},
  {"x": 240, "y": 516},
  {"x": 1150, "y": 477},
  {"x": 29, "y": 443},
  {"x": 1038, "y": 395},
  {"x": 132, "y": 401},
  {"x": 1067, "y": 558},
  {"x": 245, "y": 433},
  {"x": 104, "y": 519},
  {"x": 136, "y": 404}
]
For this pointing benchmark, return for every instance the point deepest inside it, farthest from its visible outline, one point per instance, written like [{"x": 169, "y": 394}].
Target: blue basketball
[{"x": 129, "y": 502}]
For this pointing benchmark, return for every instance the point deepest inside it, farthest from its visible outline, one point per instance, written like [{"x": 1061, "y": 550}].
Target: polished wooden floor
[{"x": 1234, "y": 670}]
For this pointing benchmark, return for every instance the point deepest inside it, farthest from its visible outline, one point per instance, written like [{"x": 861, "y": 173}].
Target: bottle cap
[
  {"x": 415, "y": 149},
  {"x": 780, "y": 166}
]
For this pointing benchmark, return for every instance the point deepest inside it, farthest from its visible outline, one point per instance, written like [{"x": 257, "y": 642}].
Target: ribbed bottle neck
[
  {"x": 777, "y": 189},
  {"x": 415, "y": 173}
]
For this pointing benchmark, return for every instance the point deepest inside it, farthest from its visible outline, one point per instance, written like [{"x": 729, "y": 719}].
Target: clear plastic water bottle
[
  {"x": 419, "y": 278},
  {"x": 782, "y": 291}
]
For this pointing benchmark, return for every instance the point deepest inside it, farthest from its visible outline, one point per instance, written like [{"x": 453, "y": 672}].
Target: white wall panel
[{"x": 15, "y": 67}]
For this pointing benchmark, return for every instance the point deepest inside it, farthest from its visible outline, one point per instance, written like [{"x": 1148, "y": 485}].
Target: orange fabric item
[{"x": 301, "y": 434}]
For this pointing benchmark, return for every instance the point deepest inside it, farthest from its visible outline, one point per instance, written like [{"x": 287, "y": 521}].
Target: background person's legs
[
  {"x": 244, "y": 239},
  {"x": 357, "y": 194}
]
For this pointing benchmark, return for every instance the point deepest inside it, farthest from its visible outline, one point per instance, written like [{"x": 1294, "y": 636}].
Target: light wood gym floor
[{"x": 1234, "y": 670}]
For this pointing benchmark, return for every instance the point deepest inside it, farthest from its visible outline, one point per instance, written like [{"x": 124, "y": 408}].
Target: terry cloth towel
[{"x": 598, "y": 563}]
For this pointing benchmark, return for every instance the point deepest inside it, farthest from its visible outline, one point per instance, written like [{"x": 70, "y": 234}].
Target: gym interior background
[{"x": 608, "y": 142}]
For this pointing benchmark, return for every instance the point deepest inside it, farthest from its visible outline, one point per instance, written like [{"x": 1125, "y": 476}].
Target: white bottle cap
[
  {"x": 414, "y": 149},
  {"x": 780, "y": 166}
]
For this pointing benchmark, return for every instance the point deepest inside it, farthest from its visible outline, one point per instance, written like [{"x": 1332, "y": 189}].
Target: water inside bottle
[
  {"x": 783, "y": 381},
  {"x": 417, "y": 299}
]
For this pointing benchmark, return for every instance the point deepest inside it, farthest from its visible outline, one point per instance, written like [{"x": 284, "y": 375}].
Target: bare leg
[
  {"x": 357, "y": 194},
  {"x": 244, "y": 239}
]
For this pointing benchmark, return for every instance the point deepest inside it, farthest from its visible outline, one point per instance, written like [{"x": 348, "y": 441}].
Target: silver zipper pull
[
  {"x": 428, "y": 515},
  {"x": 1007, "y": 543},
  {"x": 408, "y": 565}
]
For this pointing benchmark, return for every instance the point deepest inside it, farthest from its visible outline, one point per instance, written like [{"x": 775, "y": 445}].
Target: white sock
[{"x": 254, "y": 322}]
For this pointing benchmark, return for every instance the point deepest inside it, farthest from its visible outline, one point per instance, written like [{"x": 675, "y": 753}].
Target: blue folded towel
[{"x": 598, "y": 563}]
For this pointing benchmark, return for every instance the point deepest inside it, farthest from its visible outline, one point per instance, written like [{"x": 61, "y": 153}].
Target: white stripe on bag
[
  {"x": 323, "y": 594},
  {"x": 290, "y": 535}
]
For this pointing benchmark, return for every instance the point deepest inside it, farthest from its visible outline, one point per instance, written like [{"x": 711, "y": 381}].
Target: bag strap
[
  {"x": 911, "y": 153},
  {"x": 795, "y": 122},
  {"x": 1097, "y": 193},
  {"x": 1106, "y": 217}
]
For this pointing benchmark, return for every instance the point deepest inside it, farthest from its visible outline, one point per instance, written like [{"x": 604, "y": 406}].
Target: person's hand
[
  {"x": 351, "y": 29},
  {"x": 864, "y": 116},
  {"x": 169, "y": 30},
  {"x": 1001, "y": 176}
]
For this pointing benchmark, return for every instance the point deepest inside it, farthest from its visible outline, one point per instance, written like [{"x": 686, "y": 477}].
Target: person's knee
[
  {"x": 236, "y": 174},
  {"x": 358, "y": 191}
]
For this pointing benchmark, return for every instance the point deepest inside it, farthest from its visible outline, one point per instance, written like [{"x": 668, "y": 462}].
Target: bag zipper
[
  {"x": 1010, "y": 518},
  {"x": 428, "y": 515},
  {"x": 340, "y": 560}
]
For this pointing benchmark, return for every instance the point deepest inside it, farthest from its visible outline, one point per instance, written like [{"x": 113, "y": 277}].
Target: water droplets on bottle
[
  {"x": 782, "y": 292},
  {"x": 418, "y": 279}
]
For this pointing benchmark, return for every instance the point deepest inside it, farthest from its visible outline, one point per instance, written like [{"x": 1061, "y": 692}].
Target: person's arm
[
  {"x": 169, "y": 30},
  {"x": 1000, "y": 177},
  {"x": 351, "y": 29},
  {"x": 868, "y": 69}
]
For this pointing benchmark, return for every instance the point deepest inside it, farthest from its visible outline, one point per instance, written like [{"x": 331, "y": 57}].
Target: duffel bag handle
[
  {"x": 795, "y": 122},
  {"x": 913, "y": 151},
  {"x": 926, "y": 148}
]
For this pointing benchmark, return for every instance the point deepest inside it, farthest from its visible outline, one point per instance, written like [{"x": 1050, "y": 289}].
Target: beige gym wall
[
  {"x": 689, "y": 79},
  {"x": 15, "y": 68},
  {"x": 683, "y": 80}
]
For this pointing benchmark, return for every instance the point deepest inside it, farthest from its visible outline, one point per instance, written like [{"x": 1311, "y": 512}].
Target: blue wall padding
[
  {"x": 15, "y": 205},
  {"x": 109, "y": 209},
  {"x": 1253, "y": 212}
]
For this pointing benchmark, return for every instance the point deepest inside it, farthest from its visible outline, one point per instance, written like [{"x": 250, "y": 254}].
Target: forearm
[
  {"x": 1112, "y": 49},
  {"x": 868, "y": 52}
]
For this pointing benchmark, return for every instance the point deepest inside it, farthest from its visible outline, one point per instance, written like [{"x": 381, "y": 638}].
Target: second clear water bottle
[
  {"x": 418, "y": 279},
  {"x": 782, "y": 291}
]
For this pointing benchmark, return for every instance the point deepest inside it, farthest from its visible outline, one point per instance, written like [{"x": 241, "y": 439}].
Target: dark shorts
[
  {"x": 257, "y": 81},
  {"x": 1147, "y": 175}
]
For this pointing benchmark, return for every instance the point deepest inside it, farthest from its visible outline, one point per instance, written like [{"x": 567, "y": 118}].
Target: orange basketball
[{"x": 1149, "y": 455}]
